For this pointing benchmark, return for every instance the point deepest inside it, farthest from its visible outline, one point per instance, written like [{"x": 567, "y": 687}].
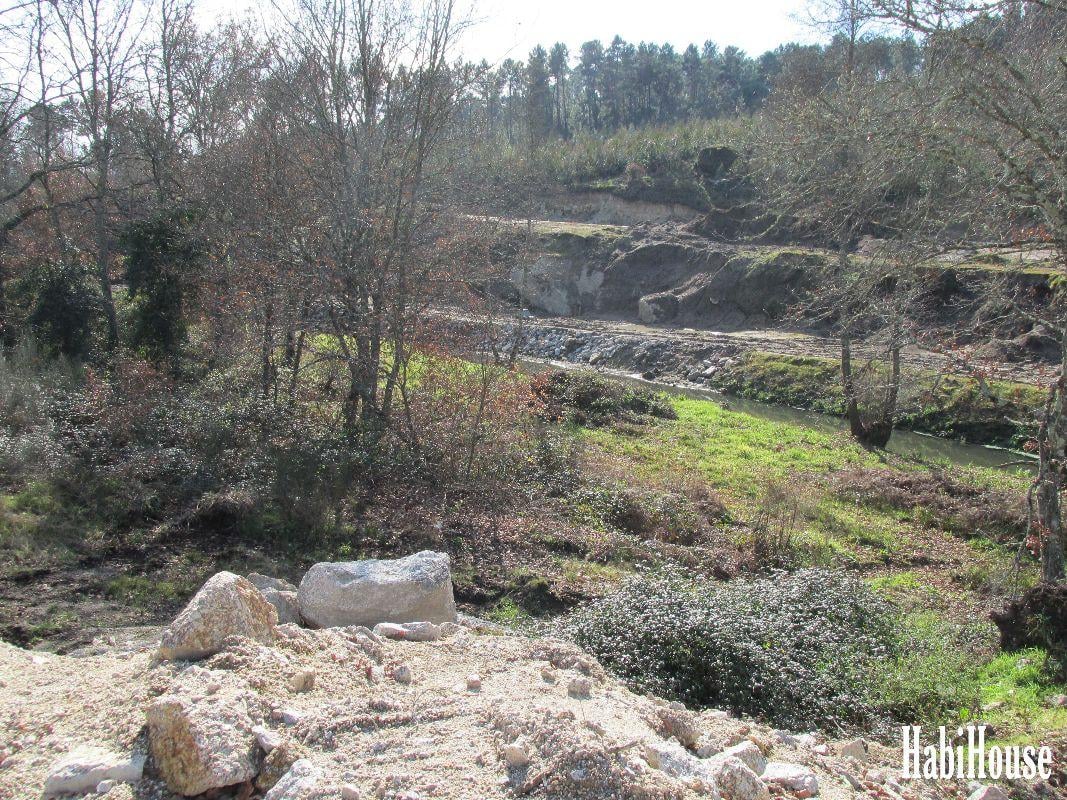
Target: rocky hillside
[
  {"x": 227, "y": 702},
  {"x": 672, "y": 275}
]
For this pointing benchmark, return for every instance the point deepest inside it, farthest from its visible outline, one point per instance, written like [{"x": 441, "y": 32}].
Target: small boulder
[
  {"x": 409, "y": 631},
  {"x": 227, "y": 605},
  {"x": 205, "y": 744},
  {"x": 516, "y": 754},
  {"x": 580, "y": 688},
  {"x": 988, "y": 793},
  {"x": 856, "y": 750},
  {"x": 83, "y": 769},
  {"x": 794, "y": 778},
  {"x": 737, "y": 781},
  {"x": 413, "y": 589},
  {"x": 265, "y": 582},
  {"x": 296, "y": 784},
  {"x": 1058, "y": 701},
  {"x": 748, "y": 754},
  {"x": 474, "y": 682}
]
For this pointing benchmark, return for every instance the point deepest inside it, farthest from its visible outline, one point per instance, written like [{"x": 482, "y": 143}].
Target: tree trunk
[
  {"x": 103, "y": 251},
  {"x": 1052, "y": 448}
]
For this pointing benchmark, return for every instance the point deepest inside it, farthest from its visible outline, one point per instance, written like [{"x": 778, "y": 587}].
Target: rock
[
  {"x": 83, "y": 769},
  {"x": 821, "y": 749},
  {"x": 737, "y": 781},
  {"x": 285, "y": 603},
  {"x": 856, "y": 750},
  {"x": 350, "y": 791},
  {"x": 287, "y": 716},
  {"x": 675, "y": 722},
  {"x": 748, "y": 754},
  {"x": 794, "y": 778},
  {"x": 516, "y": 754},
  {"x": 267, "y": 739},
  {"x": 202, "y": 745},
  {"x": 409, "y": 631},
  {"x": 302, "y": 681},
  {"x": 1058, "y": 701},
  {"x": 227, "y": 605},
  {"x": 580, "y": 687},
  {"x": 412, "y": 589},
  {"x": 988, "y": 793},
  {"x": 474, "y": 683},
  {"x": 296, "y": 784},
  {"x": 401, "y": 673},
  {"x": 265, "y": 582},
  {"x": 106, "y": 786},
  {"x": 876, "y": 776},
  {"x": 278, "y": 763}
]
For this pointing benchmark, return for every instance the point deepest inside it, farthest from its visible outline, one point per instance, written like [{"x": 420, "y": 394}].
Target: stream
[{"x": 905, "y": 443}]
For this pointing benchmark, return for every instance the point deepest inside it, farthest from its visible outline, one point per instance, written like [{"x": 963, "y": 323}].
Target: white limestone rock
[
  {"x": 227, "y": 605},
  {"x": 417, "y": 588}
]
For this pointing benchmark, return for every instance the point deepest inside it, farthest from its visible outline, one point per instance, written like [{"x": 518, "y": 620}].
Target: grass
[
  {"x": 950, "y": 406},
  {"x": 1014, "y": 691}
]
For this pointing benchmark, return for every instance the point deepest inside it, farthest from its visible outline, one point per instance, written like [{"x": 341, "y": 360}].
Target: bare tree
[
  {"x": 1002, "y": 67},
  {"x": 372, "y": 97},
  {"x": 98, "y": 42}
]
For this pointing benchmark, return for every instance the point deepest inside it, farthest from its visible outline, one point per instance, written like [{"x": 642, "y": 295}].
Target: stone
[
  {"x": 287, "y": 716},
  {"x": 417, "y": 588},
  {"x": 106, "y": 786},
  {"x": 227, "y": 605},
  {"x": 474, "y": 683},
  {"x": 265, "y": 582},
  {"x": 856, "y": 750},
  {"x": 748, "y": 754},
  {"x": 1058, "y": 701},
  {"x": 285, "y": 604},
  {"x": 302, "y": 681},
  {"x": 988, "y": 793},
  {"x": 277, "y": 764},
  {"x": 83, "y": 769},
  {"x": 267, "y": 739},
  {"x": 821, "y": 749},
  {"x": 794, "y": 778},
  {"x": 296, "y": 784},
  {"x": 516, "y": 754},
  {"x": 580, "y": 687},
  {"x": 401, "y": 673},
  {"x": 737, "y": 781},
  {"x": 409, "y": 631},
  {"x": 350, "y": 791},
  {"x": 204, "y": 744},
  {"x": 675, "y": 721}
]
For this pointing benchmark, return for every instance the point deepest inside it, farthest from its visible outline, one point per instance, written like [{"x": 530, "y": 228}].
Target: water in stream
[{"x": 905, "y": 443}]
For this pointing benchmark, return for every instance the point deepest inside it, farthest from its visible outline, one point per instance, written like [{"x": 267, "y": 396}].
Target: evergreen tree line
[{"x": 556, "y": 93}]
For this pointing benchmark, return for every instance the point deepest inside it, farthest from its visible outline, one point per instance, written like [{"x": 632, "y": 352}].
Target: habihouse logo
[{"x": 967, "y": 756}]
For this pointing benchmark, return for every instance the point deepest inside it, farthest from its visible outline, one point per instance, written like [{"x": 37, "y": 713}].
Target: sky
[{"x": 511, "y": 28}]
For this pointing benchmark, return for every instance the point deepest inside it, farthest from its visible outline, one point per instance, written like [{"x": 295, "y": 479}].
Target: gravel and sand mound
[{"x": 405, "y": 711}]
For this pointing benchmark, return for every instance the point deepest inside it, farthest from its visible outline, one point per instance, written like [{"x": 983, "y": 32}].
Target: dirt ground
[{"x": 433, "y": 737}]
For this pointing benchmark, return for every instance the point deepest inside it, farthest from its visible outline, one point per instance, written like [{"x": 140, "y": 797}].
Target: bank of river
[{"x": 903, "y": 442}]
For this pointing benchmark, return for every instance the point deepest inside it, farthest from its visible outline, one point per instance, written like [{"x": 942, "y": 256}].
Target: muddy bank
[{"x": 794, "y": 370}]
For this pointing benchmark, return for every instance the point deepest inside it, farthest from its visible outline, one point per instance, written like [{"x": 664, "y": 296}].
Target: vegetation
[{"x": 991, "y": 412}]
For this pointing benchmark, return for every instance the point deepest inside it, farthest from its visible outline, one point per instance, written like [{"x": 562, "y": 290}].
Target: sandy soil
[{"x": 431, "y": 738}]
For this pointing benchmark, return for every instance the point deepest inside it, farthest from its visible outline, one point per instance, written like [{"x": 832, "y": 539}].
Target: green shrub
[
  {"x": 814, "y": 648},
  {"x": 588, "y": 399}
]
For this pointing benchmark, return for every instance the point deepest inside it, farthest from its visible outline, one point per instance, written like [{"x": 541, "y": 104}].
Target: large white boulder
[
  {"x": 202, "y": 744},
  {"x": 417, "y": 588},
  {"x": 227, "y": 605}
]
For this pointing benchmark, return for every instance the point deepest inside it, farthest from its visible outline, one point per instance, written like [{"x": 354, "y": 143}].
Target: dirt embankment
[{"x": 671, "y": 277}]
